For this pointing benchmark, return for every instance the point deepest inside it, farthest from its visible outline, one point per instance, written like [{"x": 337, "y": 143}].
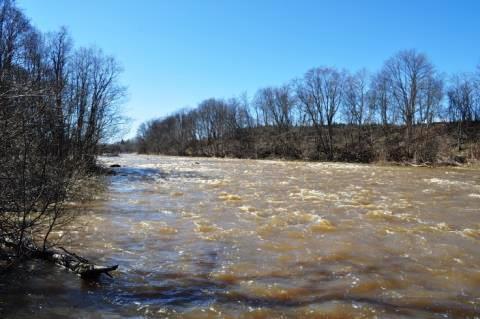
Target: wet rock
[{"x": 115, "y": 165}]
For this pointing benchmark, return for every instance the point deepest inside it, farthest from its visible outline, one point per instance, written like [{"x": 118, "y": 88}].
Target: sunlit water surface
[{"x": 226, "y": 238}]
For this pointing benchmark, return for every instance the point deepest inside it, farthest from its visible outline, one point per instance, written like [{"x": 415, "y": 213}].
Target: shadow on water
[
  {"x": 34, "y": 290},
  {"x": 41, "y": 290},
  {"x": 180, "y": 292}
]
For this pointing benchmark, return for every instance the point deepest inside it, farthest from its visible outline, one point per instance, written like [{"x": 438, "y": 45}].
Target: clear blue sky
[{"x": 176, "y": 53}]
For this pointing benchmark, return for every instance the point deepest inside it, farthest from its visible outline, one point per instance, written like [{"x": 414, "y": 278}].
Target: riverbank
[{"x": 439, "y": 144}]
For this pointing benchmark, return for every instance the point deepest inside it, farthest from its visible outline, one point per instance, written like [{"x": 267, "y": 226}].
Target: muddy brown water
[{"x": 226, "y": 238}]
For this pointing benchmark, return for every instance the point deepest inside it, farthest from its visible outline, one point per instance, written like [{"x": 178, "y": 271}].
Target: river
[{"x": 229, "y": 238}]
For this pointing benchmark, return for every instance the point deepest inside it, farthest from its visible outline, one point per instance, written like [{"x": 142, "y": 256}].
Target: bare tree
[
  {"x": 320, "y": 94},
  {"x": 462, "y": 103},
  {"x": 277, "y": 105},
  {"x": 92, "y": 100},
  {"x": 380, "y": 100},
  {"x": 358, "y": 114},
  {"x": 328, "y": 114},
  {"x": 55, "y": 107},
  {"x": 59, "y": 48},
  {"x": 412, "y": 80},
  {"x": 241, "y": 104},
  {"x": 356, "y": 98},
  {"x": 477, "y": 94}
]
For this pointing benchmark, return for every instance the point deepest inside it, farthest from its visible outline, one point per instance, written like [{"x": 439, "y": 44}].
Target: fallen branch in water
[
  {"x": 75, "y": 263},
  {"x": 71, "y": 261}
]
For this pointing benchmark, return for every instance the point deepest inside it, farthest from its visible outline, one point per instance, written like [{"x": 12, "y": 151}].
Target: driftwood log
[{"x": 62, "y": 257}]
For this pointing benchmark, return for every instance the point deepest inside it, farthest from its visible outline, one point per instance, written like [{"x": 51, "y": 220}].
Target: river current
[{"x": 229, "y": 238}]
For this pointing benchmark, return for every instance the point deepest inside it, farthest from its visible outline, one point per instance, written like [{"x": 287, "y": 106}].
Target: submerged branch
[{"x": 62, "y": 257}]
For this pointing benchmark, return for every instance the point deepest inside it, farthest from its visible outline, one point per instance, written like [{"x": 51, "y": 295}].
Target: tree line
[
  {"x": 57, "y": 103},
  {"x": 407, "y": 111}
]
